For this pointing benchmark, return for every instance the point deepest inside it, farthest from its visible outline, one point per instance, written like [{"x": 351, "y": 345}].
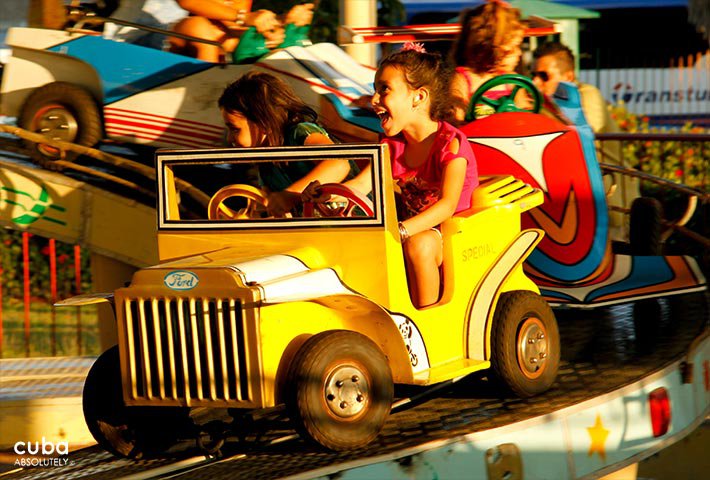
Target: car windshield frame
[{"x": 167, "y": 160}]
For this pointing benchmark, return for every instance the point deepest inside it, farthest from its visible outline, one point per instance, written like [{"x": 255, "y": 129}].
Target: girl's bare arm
[
  {"x": 451, "y": 187},
  {"x": 326, "y": 171}
]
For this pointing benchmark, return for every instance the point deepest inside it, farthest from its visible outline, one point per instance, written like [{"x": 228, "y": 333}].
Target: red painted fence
[{"x": 27, "y": 295}]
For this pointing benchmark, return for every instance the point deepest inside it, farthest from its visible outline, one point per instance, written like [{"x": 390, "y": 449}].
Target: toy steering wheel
[
  {"x": 354, "y": 199},
  {"x": 217, "y": 210},
  {"x": 507, "y": 102}
]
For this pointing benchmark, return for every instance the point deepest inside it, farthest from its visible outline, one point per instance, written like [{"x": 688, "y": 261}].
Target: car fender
[
  {"x": 354, "y": 312},
  {"x": 504, "y": 274},
  {"x": 358, "y": 314},
  {"x": 29, "y": 69},
  {"x": 86, "y": 299}
]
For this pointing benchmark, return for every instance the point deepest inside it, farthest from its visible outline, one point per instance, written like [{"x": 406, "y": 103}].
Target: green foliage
[
  {"x": 53, "y": 332},
  {"x": 391, "y": 13},
  {"x": 325, "y": 22},
  {"x": 680, "y": 162}
]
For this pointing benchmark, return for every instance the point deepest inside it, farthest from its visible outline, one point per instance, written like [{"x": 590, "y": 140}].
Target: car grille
[{"x": 188, "y": 351}]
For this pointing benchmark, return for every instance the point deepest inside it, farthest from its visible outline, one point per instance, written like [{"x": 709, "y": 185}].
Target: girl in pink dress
[{"x": 432, "y": 162}]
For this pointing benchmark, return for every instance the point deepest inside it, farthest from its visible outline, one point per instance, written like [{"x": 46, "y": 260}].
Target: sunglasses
[{"x": 543, "y": 75}]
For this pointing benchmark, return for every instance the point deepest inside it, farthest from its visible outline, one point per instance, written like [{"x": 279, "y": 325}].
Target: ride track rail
[
  {"x": 694, "y": 197},
  {"x": 604, "y": 350},
  {"x": 123, "y": 165}
]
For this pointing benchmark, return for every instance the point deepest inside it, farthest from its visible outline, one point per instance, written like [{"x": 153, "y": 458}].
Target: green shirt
[
  {"x": 252, "y": 44},
  {"x": 280, "y": 175}
]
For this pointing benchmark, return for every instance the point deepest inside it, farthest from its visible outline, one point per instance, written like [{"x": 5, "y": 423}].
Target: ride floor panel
[
  {"x": 602, "y": 350},
  {"x": 45, "y": 377}
]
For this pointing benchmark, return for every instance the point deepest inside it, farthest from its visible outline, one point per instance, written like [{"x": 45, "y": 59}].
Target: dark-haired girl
[{"x": 261, "y": 110}]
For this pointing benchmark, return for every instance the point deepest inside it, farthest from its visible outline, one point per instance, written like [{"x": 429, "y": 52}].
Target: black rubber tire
[
  {"x": 522, "y": 315},
  {"x": 319, "y": 363},
  {"x": 645, "y": 227},
  {"x": 75, "y": 118},
  {"x": 129, "y": 432}
]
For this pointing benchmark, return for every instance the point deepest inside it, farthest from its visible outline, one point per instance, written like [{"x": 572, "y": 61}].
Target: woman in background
[{"x": 488, "y": 45}]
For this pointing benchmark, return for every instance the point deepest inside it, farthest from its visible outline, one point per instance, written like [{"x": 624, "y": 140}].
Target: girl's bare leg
[{"x": 423, "y": 253}]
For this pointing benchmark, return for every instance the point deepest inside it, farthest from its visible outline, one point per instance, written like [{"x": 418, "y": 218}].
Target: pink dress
[{"x": 421, "y": 187}]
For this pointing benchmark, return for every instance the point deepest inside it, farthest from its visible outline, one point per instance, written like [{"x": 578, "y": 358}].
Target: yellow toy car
[{"x": 313, "y": 310}]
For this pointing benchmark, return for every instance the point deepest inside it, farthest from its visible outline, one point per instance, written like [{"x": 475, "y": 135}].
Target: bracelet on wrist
[{"x": 403, "y": 233}]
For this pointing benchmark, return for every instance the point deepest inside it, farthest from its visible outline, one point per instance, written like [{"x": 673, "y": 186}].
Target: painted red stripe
[
  {"x": 426, "y": 32},
  {"x": 168, "y": 140},
  {"x": 454, "y": 27},
  {"x": 170, "y": 119},
  {"x": 77, "y": 268},
  {"x": 26, "y": 287},
  {"x": 77, "y": 279},
  {"x": 161, "y": 130},
  {"x": 403, "y": 37},
  {"x": 162, "y": 143},
  {"x": 315, "y": 84},
  {"x": 53, "y": 270},
  {"x": 164, "y": 125},
  {"x": 165, "y": 129},
  {"x": 157, "y": 137},
  {"x": 161, "y": 123}
]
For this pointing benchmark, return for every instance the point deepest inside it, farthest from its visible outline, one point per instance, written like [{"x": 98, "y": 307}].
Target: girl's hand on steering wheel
[
  {"x": 312, "y": 193},
  {"x": 279, "y": 204}
]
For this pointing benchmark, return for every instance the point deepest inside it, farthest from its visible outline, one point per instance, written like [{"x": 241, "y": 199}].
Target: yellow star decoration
[{"x": 598, "y": 435}]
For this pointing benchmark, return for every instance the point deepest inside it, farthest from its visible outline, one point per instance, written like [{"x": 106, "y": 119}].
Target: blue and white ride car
[{"x": 83, "y": 88}]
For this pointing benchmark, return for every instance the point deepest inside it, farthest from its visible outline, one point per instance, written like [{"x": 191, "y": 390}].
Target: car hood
[{"x": 280, "y": 277}]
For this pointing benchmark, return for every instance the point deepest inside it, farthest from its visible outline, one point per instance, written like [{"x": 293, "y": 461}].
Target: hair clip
[{"x": 417, "y": 47}]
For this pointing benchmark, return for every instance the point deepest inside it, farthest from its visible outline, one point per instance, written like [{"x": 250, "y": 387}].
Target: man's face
[{"x": 547, "y": 75}]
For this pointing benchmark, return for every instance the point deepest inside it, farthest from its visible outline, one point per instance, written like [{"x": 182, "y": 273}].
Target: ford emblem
[{"x": 181, "y": 280}]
